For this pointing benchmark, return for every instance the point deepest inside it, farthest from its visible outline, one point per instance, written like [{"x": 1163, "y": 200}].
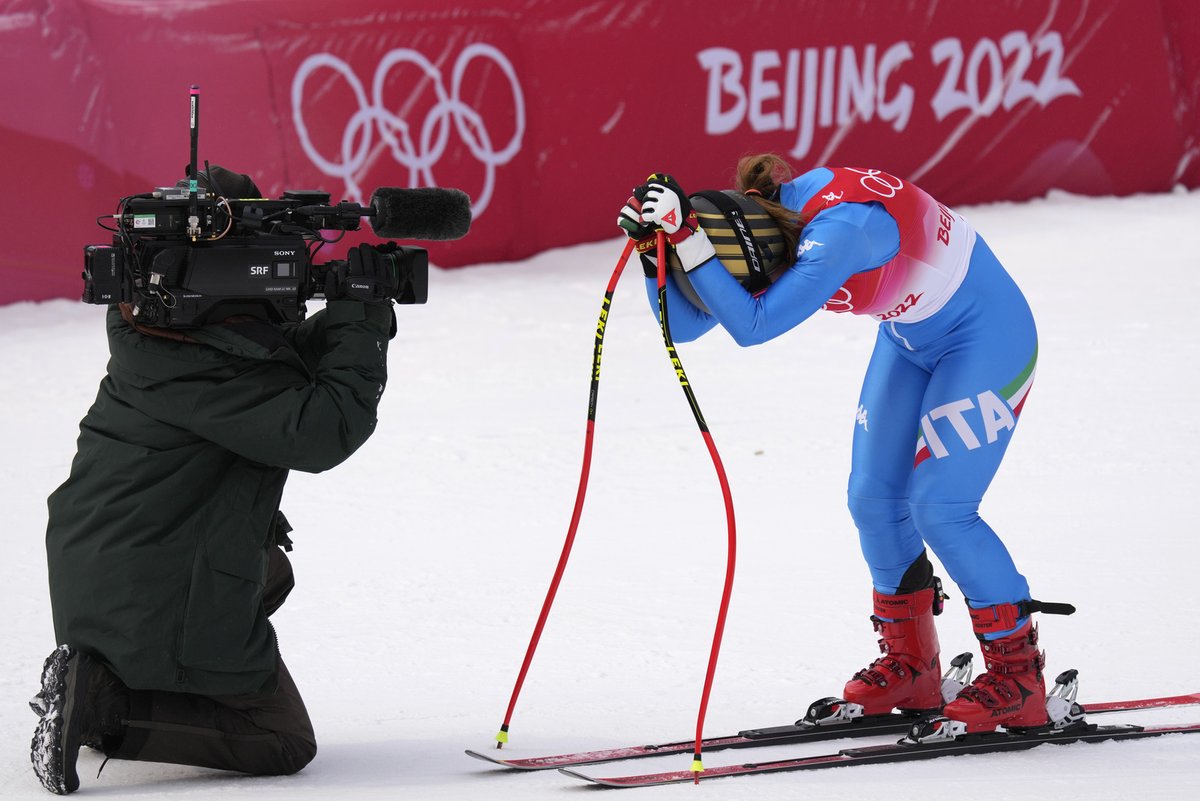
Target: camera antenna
[{"x": 193, "y": 228}]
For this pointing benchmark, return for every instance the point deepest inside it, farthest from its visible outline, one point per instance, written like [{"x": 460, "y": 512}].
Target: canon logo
[{"x": 285, "y": 253}]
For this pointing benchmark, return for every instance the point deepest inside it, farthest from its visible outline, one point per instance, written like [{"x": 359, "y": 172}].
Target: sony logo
[{"x": 285, "y": 253}]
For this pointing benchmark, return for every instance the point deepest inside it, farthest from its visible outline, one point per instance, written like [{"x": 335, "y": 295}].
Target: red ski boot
[
  {"x": 908, "y": 676},
  {"x": 1012, "y": 693}
]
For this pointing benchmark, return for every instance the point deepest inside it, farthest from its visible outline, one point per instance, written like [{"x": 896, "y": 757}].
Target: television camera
[{"x": 197, "y": 252}]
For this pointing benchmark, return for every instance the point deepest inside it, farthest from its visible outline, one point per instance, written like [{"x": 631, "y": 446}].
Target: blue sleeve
[
  {"x": 846, "y": 239},
  {"x": 688, "y": 322}
]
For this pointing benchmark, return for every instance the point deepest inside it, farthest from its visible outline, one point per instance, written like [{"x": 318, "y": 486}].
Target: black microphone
[{"x": 424, "y": 213}]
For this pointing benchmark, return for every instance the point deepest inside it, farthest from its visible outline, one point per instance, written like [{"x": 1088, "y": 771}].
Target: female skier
[{"x": 952, "y": 364}]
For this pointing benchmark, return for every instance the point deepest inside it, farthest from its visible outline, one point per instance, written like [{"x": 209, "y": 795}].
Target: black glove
[{"x": 368, "y": 275}]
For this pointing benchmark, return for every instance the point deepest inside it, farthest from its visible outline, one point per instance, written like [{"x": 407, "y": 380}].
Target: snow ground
[{"x": 423, "y": 560}]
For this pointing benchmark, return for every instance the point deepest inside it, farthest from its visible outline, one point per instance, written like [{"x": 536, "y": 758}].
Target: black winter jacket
[{"x": 156, "y": 543}]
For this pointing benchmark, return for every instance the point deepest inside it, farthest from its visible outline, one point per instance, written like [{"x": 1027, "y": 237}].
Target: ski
[
  {"x": 891, "y": 723},
  {"x": 801, "y": 731},
  {"x": 993, "y": 742}
]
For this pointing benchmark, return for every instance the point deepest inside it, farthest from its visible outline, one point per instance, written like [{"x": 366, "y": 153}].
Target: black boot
[{"x": 82, "y": 702}]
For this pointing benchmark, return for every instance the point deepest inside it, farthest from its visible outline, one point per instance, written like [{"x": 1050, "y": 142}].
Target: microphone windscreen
[{"x": 424, "y": 213}]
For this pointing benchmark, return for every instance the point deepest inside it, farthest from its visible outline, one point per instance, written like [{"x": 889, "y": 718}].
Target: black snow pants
[{"x": 266, "y": 733}]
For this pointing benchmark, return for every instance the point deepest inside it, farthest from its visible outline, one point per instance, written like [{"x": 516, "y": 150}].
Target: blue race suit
[{"x": 953, "y": 361}]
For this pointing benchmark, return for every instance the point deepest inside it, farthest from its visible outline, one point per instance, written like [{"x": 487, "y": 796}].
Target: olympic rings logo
[
  {"x": 838, "y": 303},
  {"x": 872, "y": 182},
  {"x": 358, "y": 148}
]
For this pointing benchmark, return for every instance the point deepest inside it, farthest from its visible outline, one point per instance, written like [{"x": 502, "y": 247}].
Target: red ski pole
[
  {"x": 597, "y": 350},
  {"x": 731, "y": 558}
]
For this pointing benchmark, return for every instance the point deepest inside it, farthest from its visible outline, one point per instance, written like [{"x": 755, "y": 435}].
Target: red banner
[{"x": 547, "y": 113}]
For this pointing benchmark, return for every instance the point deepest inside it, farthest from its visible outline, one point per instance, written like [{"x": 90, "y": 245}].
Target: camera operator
[{"x": 165, "y": 545}]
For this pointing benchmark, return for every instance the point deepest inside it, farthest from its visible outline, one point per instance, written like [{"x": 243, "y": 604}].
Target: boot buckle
[{"x": 939, "y": 597}]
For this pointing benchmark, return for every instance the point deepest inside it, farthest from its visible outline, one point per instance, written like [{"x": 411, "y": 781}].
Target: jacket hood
[{"x": 144, "y": 358}]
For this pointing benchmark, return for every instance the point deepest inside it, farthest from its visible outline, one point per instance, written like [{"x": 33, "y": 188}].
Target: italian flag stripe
[
  {"x": 1018, "y": 389},
  {"x": 1021, "y": 382},
  {"x": 922, "y": 452},
  {"x": 1014, "y": 394}
]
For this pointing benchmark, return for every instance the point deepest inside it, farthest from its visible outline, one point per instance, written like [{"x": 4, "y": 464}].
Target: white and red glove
[
  {"x": 629, "y": 220},
  {"x": 666, "y": 205}
]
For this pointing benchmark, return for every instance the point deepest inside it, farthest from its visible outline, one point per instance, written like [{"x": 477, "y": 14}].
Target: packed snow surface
[{"x": 422, "y": 561}]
